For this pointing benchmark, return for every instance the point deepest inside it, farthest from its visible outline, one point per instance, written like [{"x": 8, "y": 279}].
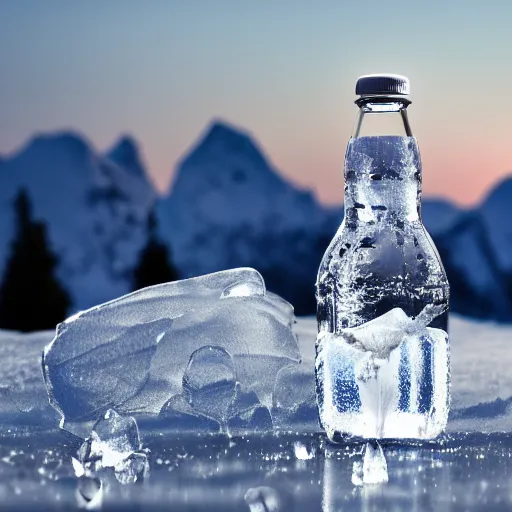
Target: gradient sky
[{"x": 282, "y": 69}]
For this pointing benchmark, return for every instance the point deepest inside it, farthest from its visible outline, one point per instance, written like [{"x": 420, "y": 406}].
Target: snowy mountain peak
[
  {"x": 226, "y": 172},
  {"x": 126, "y": 154},
  {"x": 233, "y": 207},
  {"x": 95, "y": 210},
  {"x": 496, "y": 210},
  {"x": 65, "y": 144},
  {"x": 221, "y": 139},
  {"x": 500, "y": 194},
  {"x": 222, "y": 132}
]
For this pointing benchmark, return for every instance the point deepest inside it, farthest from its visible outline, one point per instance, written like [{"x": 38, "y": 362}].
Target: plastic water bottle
[{"x": 382, "y": 352}]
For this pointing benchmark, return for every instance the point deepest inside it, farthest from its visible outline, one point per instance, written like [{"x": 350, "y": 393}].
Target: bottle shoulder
[
  {"x": 403, "y": 251},
  {"x": 367, "y": 272}
]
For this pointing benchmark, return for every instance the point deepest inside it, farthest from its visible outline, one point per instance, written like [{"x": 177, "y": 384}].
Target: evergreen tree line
[{"x": 32, "y": 298}]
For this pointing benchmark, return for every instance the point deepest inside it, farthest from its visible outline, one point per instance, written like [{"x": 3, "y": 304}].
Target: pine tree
[
  {"x": 154, "y": 266},
  {"x": 31, "y": 297}
]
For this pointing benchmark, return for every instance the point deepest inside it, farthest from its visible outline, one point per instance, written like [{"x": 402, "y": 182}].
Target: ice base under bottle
[{"x": 388, "y": 378}]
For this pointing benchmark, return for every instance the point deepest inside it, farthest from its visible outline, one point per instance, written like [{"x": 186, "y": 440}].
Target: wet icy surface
[
  {"x": 294, "y": 471},
  {"x": 263, "y": 473}
]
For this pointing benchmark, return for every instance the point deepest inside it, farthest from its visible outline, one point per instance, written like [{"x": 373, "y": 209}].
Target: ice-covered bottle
[{"x": 382, "y": 352}]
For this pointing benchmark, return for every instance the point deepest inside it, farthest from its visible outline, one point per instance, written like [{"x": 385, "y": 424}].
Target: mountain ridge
[
  {"x": 227, "y": 206},
  {"x": 95, "y": 210}
]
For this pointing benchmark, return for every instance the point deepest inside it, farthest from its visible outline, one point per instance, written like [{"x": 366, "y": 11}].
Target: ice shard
[
  {"x": 114, "y": 443},
  {"x": 373, "y": 468}
]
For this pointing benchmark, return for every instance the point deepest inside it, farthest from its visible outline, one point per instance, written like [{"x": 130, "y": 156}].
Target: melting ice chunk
[
  {"x": 247, "y": 414},
  {"x": 131, "y": 354},
  {"x": 180, "y": 416},
  {"x": 373, "y": 469},
  {"x": 132, "y": 469},
  {"x": 113, "y": 438},
  {"x": 114, "y": 443}
]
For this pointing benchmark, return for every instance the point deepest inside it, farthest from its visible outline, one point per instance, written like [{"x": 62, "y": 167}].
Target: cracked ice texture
[
  {"x": 131, "y": 354},
  {"x": 373, "y": 375}
]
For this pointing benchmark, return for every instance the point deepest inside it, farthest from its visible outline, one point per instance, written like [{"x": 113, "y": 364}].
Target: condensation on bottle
[{"x": 382, "y": 351}]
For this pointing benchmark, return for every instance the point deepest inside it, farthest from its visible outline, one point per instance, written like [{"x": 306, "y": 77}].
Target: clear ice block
[{"x": 131, "y": 354}]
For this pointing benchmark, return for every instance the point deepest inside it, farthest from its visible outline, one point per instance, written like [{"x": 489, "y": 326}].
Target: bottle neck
[
  {"x": 382, "y": 166},
  {"x": 382, "y": 115}
]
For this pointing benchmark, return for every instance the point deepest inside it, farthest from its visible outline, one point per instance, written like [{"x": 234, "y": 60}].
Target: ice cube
[
  {"x": 131, "y": 354},
  {"x": 132, "y": 469},
  {"x": 113, "y": 438}
]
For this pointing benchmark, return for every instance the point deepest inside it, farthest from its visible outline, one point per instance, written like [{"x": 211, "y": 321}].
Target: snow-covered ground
[
  {"x": 464, "y": 470},
  {"x": 480, "y": 360}
]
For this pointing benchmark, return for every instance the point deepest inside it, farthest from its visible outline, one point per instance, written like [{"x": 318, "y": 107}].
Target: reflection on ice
[
  {"x": 414, "y": 476},
  {"x": 89, "y": 493},
  {"x": 206, "y": 473},
  {"x": 263, "y": 499}
]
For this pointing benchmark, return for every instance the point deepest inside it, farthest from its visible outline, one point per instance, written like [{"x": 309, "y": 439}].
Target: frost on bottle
[{"x": 382, "y": 352}]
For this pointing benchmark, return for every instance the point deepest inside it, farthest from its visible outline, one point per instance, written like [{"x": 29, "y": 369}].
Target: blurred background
[{"x": 142, "y": 142}]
